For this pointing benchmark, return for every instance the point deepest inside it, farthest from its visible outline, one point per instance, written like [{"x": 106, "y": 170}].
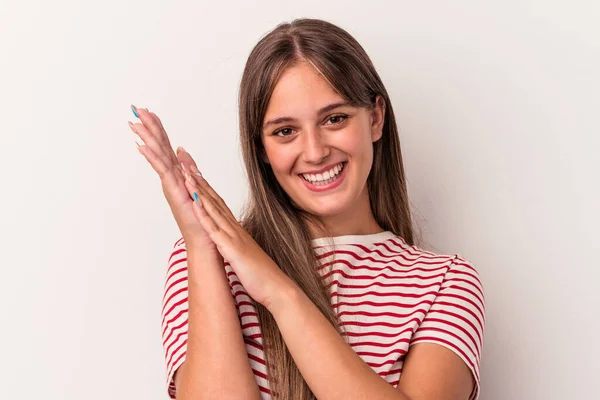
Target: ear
[{"x": 377, "y": 118}]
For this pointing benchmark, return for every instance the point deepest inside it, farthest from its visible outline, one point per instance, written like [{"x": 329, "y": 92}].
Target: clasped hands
[{"x": 205, "y": 221}]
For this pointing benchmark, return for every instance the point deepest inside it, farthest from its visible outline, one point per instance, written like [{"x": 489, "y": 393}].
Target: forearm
[
  {"x": 328, "y": 364},
  {"x": 216, "y": 364}
]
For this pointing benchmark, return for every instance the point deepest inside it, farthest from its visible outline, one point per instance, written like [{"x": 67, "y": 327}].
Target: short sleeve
[
  {"x": 174, "y": 313},
  {"x": 456, "y": 318}
]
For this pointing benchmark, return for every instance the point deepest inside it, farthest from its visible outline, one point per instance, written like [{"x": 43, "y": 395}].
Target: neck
[{"x": 358, "y": 219}]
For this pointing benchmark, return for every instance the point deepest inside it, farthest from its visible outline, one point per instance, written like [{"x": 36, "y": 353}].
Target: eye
[
  {"x": 285, "y": 131},
  {"x": 336, "y": 119}
]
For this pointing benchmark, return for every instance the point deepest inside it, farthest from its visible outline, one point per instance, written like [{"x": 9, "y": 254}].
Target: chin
[{"x": 327, "y": 208}]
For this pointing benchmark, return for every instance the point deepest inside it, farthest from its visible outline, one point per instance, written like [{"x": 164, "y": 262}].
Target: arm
[
  {"x": 328, "y": 364},
  {"x": 445, "y": 351},
  {"x": 339, "y": 373},
  {"x": 198, "y": 311},
  {"x": 432, "y": 372},
  {"x": 216, "y": 364}
]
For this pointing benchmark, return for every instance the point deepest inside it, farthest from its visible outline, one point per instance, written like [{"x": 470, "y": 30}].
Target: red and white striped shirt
[{"x": 388, "y": 295}]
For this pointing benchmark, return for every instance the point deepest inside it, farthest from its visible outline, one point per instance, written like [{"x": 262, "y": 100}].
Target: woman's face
[{"x": 320, "y": 150}]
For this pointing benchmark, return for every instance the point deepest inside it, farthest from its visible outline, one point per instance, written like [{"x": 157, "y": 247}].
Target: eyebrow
[{"x": 319, "y": 112}]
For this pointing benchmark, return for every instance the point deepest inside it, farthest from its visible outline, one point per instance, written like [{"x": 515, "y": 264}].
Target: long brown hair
[{"x": 270, "y": 216}]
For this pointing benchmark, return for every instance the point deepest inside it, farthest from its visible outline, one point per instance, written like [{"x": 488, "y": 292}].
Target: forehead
[{"x": 300, "y": 91}]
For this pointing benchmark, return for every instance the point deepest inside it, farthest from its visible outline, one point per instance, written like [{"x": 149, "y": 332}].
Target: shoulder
[
  {"x": 455, "y": 319},
  {"x": 459, "y": 278},
  {"x": 395, "y": 247},
  {"x": 450, "y": 282},
  {"x": 463, "y": 273},
  {"x": 454, "y": 265}
]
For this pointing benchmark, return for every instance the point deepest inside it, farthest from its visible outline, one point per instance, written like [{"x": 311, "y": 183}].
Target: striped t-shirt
[{"x": 388, "y": 296}]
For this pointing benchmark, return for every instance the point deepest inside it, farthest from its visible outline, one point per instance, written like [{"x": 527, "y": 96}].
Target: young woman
[{"x": 319, "y": 291}]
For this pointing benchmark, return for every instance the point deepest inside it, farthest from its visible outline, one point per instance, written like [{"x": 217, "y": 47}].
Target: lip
[
  {"x": 319, "y": 171},
  {"x": 329, "y": 186}
]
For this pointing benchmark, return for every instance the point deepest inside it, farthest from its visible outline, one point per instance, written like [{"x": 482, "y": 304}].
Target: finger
[
  {"x": 184, "y": 157},
  {"x": 218, "y": 236},
  {"x": 164, "y": 168},
  {"x": 216, "y": 213},
  {"x": 209, "y": 205},
  {"x": 162, "y": 133},
  {"x": 217, "y": 200},
  {"x": 162, "y": 128},
  {"x": 203, "y": 183},
  {"x": 190, "y": 184},
  {"x": 150, "y": 141},
  {"x": 190, "y": 165},
  {"x": 155, "y": 161},
  {"x": 208, "y": 224},
  {"x": 171, "y": 182},
  {"x": 152, "y": 123},
  {"x": 147, "y": 138}
]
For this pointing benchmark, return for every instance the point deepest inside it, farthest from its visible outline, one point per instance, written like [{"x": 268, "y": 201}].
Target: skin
[
  {"x": 309, "y": 142},
  {"x": 226, "y": 373},
  {"x": 313, "y": 141}
]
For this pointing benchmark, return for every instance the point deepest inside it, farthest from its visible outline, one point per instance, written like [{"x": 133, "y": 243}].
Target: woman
[{"x": 319, "y": 290}]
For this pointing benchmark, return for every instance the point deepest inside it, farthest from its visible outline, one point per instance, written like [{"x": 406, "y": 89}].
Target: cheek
[
  {"x": 355, "y": 142},
  {"x": 280, "y": 158}
]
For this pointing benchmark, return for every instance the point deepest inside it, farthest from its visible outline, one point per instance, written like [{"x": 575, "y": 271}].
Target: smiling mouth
[{"x": 326, "y": 177}]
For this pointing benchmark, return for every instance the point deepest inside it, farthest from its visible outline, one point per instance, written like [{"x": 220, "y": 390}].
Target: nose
[{"x": 315, "y": 147}]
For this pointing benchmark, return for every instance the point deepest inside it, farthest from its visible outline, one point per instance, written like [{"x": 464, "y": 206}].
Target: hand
[
  {"x": 158, "y": 152},
  {"x": 258, "y": 273}
]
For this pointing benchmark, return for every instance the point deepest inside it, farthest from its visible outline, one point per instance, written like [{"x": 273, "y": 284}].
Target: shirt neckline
[{"x": 354, "y": 239}]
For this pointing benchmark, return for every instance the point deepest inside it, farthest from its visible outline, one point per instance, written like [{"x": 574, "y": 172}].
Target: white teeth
[{"x": 325, "y": 177}]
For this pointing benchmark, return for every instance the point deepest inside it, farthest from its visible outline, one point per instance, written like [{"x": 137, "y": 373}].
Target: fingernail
[
  {"x": 196, "y": 171},
  {"x": 134, "y": 111},
  {"x": 180, "y": 149},
  {"x": 196, "y": 197}
]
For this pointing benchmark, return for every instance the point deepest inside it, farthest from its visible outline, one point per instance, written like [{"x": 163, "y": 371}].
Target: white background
[{"x": 498, "y": 110}]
